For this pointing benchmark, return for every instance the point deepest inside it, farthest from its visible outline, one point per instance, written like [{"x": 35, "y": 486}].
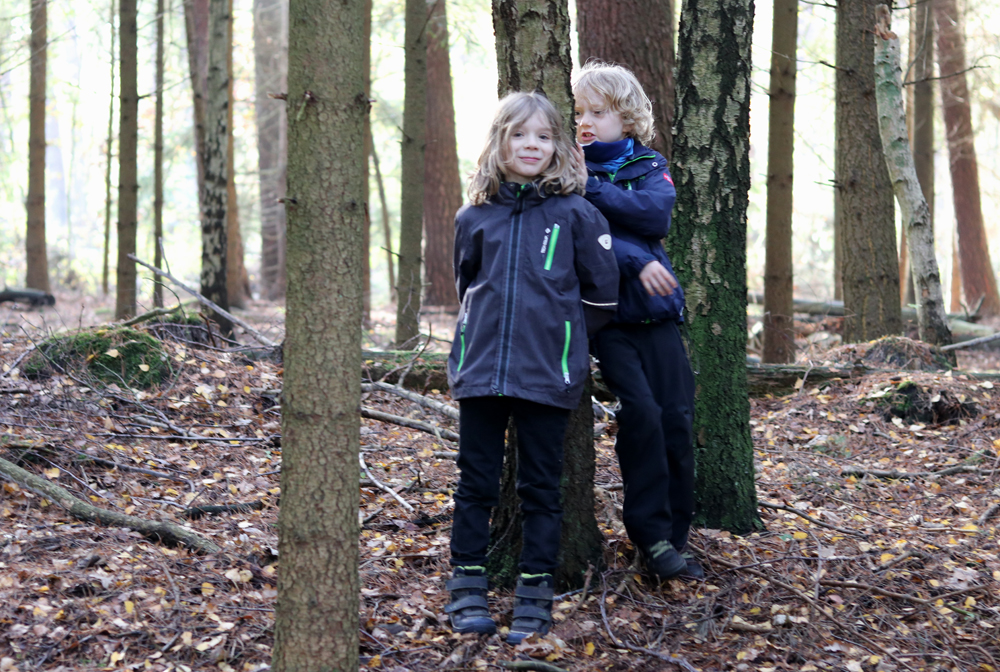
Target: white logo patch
[{"x": 605, "y": 241}]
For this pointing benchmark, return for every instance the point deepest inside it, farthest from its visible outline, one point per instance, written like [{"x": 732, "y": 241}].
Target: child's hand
[
  {"x": 657, "y": 279},
  {"x": 579, "y": 163}
]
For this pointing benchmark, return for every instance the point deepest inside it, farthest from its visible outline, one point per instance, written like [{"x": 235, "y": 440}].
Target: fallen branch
[
  {"x": 988, "y": 513},
  {"x": 211, "y": 304},
  {"x": 972, "y": 343},
  {"x": 81, "y": 510},
  {"x": 439, "y": 432},
  {"x": 382, "y": 486},
  {"x": 903, "y": 475},
  {"x": 198, "y": 511},
  {"x": 83, "y": 457},
  {"x": 782, "y": 507},
  {"x": 17, "y": 361},
  {"x": 444, "y": 409},
  {"x": 145, "y": 317},
  {"x": 537, "y": 665}
]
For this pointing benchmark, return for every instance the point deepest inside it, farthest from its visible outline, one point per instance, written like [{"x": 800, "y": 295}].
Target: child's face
[
  {"x": 596, "y": 121},
  {"x": 529, "y": 151}
]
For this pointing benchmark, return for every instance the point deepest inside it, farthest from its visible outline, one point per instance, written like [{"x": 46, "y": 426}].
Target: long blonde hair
[
  {"x": 619, "y": 89},
  {"x": 513, "y": 111}
]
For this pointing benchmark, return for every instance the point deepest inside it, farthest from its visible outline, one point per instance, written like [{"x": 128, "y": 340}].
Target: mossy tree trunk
[
  {"x": 37, "y": 276},
  {"x": 532, "y": 40},
  {"x": 708, "y": 245},
  {"x": 411, "y": 208},
  {"x": 316, "y": 619},
  {"x": 870, "y": 271},
  {"x": 128, "y": 184}
]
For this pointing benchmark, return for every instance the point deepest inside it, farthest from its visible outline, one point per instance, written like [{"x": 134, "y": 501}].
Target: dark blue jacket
[
  {"x": 637, "y": 201},
  {"x": 533, "y": 274}
]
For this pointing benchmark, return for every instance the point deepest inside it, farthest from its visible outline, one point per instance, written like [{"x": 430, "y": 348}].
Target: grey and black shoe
[
  {"x": 532, "y": 606},
  {"x": 693, "y": 569},
  {"x": 468, "y": 610},
  {"x": 663, "y": 561}
]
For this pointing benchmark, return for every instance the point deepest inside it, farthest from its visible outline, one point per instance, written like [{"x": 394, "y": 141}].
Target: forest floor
[{"x": 877, "y": 551}]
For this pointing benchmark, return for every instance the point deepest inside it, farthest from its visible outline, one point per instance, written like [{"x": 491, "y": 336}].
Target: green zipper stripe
[
  {"x": 552, "y": 247},
  {"x": 565, "y": 357},
  {"x": 461, "y": 354},
  {"x": 638, "y": 158}
]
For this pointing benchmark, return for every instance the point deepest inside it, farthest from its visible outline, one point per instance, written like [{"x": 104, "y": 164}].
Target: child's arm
[
  {"x": 596, "y": 269},
  {"x": 468, "y": 256},
  {"x": 645, "y": 211}
]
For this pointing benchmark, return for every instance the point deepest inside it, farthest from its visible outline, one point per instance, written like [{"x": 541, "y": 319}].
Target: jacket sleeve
[
  {"x": 644, "y": 211},
  {"x": 630, "y": 257},
  {"x": 596, "y": 269},
  {"x": 468, "y": 255}
]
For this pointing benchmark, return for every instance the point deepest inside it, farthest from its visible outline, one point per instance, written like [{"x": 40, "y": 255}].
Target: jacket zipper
[
  {"x": 565, "y": 355},
  {"x": 552, "y": 247},
  {"x": 510, "y": 298}
]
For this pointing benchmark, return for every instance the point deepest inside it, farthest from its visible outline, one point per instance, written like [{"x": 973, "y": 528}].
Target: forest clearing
[{"x": 878, "y": 551}]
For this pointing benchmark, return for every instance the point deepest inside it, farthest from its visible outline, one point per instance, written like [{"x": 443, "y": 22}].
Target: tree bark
[
  {"x": 532, "y": 42},
  {"x": 37, "y": 275},
  {"x": 215, "y": 197},
  {"x": 442, "y": 184},
  {"x": 237, "y": 280},
  {"x": 978, "y": 279},
  {"x": 386, "y": 229},
  {"x": 316, "y": 619},
  {"x": 366, "y": 265},
  {"x": 870, "y": 268},
  {"x": 708, "y": 245},
  {"x": 270, "y": 40},
  {"x": 108, "y": 155},
  {"x": 932, "y": 322},
  {"x": 411, "y": 208},
  {"x": 638, "y": 34},
  {"x": 128, "y": 184},
  {"x": 956, "y": 274},
  {"x": 779, "y": 335},
  {"x": 158, "y": 159},
  {"x": 196, "y": 24}
]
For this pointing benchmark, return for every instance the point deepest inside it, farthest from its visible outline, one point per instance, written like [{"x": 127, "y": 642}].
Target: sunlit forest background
[{"x": 79, "y": 91}]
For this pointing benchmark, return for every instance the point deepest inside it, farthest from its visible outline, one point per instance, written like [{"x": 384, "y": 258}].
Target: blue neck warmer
[{"x": 608, "y": 157}]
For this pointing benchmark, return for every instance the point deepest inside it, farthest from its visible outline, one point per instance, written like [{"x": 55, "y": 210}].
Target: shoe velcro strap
[
  {"x": 466, "y": 602},
  {"x": 534, "y": 592},
  {"x": 531, "y": 611},
  {"x": 466, "y": 582}
]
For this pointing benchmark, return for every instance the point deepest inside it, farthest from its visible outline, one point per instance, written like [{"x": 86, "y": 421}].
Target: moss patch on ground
[{"x": 122, "y": 356}]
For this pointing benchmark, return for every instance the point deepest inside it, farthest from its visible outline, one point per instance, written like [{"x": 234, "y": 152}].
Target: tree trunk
[
  {"x": 158, "y": 160},
  {"x": 932, "y": 322},
  {"x": 640, "y": 35},
  {"x": 237, "y": 279},
  {"x": 708, "y": 245},
  {"x": 37, "y": 258},
  {"x": 366, "y": 265},
  {"x": 978, "y": 279},
  {"x": 386, "y": 229},
  {"x": 128, "y": 184},
  {"x": 956, "y": 274},
  {"x": 270, "y": 43},
  {"x": 779, "y": 335},
  {"x": 108, "y": 155},
  {"x": 521, "y": 27},
  {"x": 442, "y": 184},
  {"x": 411, "y": 208},
  {"x": 870, "y": 268},
  {"x": 215, "y": 197},
  {"x": 196, "y": 23},
  {"x": 316, "y": 618}
]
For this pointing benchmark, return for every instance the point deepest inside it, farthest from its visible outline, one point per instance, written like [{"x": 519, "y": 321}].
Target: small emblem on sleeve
[
  {"x": 667, "y": 178},
  {"x": 605, "y": 241}
]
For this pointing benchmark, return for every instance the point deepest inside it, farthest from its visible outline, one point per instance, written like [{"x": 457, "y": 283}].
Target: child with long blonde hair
[{"x": 535, "y": 275}]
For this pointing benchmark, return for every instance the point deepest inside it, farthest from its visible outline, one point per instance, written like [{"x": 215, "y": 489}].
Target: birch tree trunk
[
  {"x": 128, "y": 184},
  {"x": 215, "y": 197},
  {"x": 316, "y": 619},
  {"x": 411, "y": 208},
  {"x": 158, "y": 159},
  {"x": 707, "y": 243},
  {"x": 37, "y": 276},
  {"x": 779, "y": 335},
  {"x": 108, "y": 154},
  {"x": 932, "y": 320}
]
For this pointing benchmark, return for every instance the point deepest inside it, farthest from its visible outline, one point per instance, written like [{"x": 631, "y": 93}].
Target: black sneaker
[
  {"x": 663, "y": 561},
  {"x": 532, "y": 606},
  {"x": 693, "y": 569},
  {"x": 468, "y": 610}
]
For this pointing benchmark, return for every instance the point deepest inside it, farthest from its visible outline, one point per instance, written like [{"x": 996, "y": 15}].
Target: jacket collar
[
  {"x": 638, "y": 163},
  {"x": 511, "y": 192}
]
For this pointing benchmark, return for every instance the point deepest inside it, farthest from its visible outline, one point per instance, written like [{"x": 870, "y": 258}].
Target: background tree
[
  {"x": 532, "y": 39},
  {"x": 411, "y": 206},
  {"x": 215, "y": 195},
  {"x": 638, "y": 34},
  {"x": 108, "y": 154},
  {"x": 158, "y": 159},
  {"x": 366, "y": 265},
  {"x": 37, "y": 257},
  {"x": 270, "y": 43},
  {"x": 128, "y": 184},
  {"x": 237, "y": 279},
  {"x": 196, "y": 24},
  {"x": 978, "y": 279},
  {"x": 707, "y": 243},
  {"x": 316, "y": 620},
  {"x": 779, "y": 335},
  {"x": 870, "y": 270},
  {"x": 442, "y": 184}
]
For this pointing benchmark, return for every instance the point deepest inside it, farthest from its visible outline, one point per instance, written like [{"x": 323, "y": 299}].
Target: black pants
[
  {"x": 540, "y": 433},
  {"x": 646, "y": 366}
]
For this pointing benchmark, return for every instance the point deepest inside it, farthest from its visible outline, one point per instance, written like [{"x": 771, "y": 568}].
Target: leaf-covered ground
[{"x": 878, "y": 551}]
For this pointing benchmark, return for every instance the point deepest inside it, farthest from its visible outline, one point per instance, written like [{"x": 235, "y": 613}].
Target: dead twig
[
  {"x": 213, "y": 510},
  {"x": 444, "y": 409},
  {"x": 372, "y": 414},
  {"x": 537, "y": 665},
  {"x": 382, "y": 486},
  {"x": 903, "y": 475},
  {"x": 782, "y": 507}
]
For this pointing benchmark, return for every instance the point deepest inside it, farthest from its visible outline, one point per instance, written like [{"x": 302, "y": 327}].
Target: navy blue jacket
[
  {"x": 533, "y": 274},
  {"x": 637, "y": 201}
]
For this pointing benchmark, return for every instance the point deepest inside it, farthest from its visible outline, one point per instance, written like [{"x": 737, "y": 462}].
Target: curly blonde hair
[
  {"x": 512, "y": 112},
  {"x": 621, "y": 91}
]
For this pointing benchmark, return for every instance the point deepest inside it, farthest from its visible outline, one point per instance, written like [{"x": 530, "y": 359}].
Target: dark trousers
[
  {"x": 540, "y": 433},
  {"x": 646, "y": 366}
]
